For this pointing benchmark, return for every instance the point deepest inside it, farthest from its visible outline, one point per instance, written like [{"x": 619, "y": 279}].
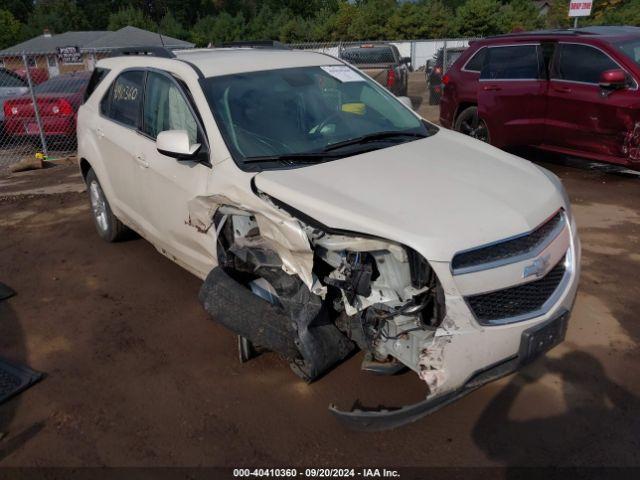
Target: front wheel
[
  {"x": 469, "y": 123},
  {"x": 107, "y": 224}
]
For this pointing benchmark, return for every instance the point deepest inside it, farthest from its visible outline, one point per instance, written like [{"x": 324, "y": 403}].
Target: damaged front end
[{"x": 313, "y": 295}]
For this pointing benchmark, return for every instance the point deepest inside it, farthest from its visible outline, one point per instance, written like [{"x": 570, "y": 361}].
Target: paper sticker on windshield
[{"x": 343, "y": 73}]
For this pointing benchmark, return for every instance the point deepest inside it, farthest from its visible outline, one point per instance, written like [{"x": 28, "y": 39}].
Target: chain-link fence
[
  {"x": 382, "y": 58},
  {"x": 40, "y": 94}
]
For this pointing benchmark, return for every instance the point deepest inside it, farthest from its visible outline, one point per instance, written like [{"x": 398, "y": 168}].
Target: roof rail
[
  {"x": 593, "y": 30},
  {"x": 152, "y": 51},
  {"x": 257, "y": 44}
]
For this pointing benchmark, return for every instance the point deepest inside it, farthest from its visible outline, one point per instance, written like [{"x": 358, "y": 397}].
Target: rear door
[
  {"x": 117, "y": 136},
  {"x": 581, "y": 116},
  {"x": 512, "y": 94}
]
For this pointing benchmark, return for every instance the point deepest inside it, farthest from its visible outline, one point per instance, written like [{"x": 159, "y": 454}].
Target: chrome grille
[
  {"x": 509, "y": 250},
  {"x": 516, "y": 301}
]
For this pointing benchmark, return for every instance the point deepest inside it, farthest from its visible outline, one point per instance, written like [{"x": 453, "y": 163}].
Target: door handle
[
  {"x": 100, "y": 133},
  {"x": 491, "y": 88},
  {"x": 141, "y": 161},
  {"x": 562, "y": 89}
]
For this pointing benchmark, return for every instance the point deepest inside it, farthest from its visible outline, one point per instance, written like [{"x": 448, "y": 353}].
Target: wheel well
[
  {"x": 461, "y": 108},
  {"x": 85, "y": 166}
]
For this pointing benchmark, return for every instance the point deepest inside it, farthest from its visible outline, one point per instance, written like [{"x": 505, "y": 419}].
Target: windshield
[
  {"x": 631, "y": 48},
  {"x": 308, "y": 110},
  {"x": 365, "y": 55}
]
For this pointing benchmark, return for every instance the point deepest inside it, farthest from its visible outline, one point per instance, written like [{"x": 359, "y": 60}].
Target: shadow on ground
[
  {"x": 597, "y": 412},
  {"x": 12, "y": 347}
]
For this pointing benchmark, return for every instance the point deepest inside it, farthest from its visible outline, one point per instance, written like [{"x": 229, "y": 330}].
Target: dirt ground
[{"x": 138, "y": 375}]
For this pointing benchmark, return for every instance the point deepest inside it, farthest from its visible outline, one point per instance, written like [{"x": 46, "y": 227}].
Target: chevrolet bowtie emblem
[{"x": 537, "y": 268}]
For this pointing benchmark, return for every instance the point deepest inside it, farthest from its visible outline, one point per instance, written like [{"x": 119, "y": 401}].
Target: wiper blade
[
  {"x": 311, "y": 157},
  {"x": 371, "y": 138}
]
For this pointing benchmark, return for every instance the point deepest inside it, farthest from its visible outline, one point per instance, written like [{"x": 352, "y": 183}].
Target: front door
[
  {"x": 512, "y": 94},
  {"x": 582, "y": 117},
  {"x": 167, "y": 184}
]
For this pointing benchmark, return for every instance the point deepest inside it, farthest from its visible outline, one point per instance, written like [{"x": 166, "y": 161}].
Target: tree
[
  {"x": 427, "y": 19},
  {"x": 171, "y": 27},
  {"x": 130, "y": 16},
  {"x": 266, "y": 25},
  {"x": 558, "y": 16},
  {"x": 11, "y": 29},
  {"x": 478, "y": 18},
  {"x": 370, "y": 19},
  {"x": 20, "y": 9},
  {"x": 219, "y": 29},
  {"x": 58, "y": 16},
  {"x": 520, "y": 15},
  {"x": 627, "y": 13}
]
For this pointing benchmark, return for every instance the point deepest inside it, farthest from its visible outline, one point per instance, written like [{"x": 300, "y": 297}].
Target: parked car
[
  {"x": 435, "y": 68},
  {"x": 573, "y": 92},
  {"x": 324, "y": 215},
  {"x": 58, "y": 101},
  {"x": 382, "y": 62},
  {"x": 38, "y": 75},
  {"x": 11, "y": 85}
]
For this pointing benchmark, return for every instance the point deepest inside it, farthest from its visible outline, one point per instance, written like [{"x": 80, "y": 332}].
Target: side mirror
[
  {"x": 406, "y": 60},
  {"x": 406, "y": 101},
  {"x": 175, "y": 143},
  {"x": 613, "y": 79}
]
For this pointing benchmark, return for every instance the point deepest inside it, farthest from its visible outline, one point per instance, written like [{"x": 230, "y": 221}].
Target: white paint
[{"x": 580, "y": 8}]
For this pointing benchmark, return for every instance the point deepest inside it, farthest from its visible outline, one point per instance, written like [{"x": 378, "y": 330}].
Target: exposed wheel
[
  {"x": 469, "y": 123},
  {"x": 107, "y": 224}
]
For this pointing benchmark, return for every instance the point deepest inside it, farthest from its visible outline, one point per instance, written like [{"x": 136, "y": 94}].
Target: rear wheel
[
  {"x": 107, "y": 224},
  {"x": 469, "y": 123}
]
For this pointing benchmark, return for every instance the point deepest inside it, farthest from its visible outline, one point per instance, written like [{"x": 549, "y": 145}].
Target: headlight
[{"x": 553, "y": 178}]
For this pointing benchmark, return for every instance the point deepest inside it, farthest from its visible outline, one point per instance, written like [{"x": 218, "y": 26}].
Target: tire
[
  {"x": 469, "y": 123},
  {"x": 107, "y": 224}
]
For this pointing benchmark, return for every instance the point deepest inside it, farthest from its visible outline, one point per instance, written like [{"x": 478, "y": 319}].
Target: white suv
[{"x": 325, "y": 216}]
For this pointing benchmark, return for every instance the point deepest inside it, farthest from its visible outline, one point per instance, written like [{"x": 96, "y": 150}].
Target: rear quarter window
[
  {"x": 96, "y": 77},
  {"x": 123, "y": 101},
  {"x": 475, "y": 63}
]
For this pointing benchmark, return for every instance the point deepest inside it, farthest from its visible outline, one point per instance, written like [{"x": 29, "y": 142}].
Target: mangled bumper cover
[{"x": 384, "y": 419}]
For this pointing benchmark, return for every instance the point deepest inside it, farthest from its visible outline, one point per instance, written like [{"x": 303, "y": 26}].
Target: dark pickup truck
[
  {"x": 382, "y": 62},
  {"x": 435, "y": 70}
]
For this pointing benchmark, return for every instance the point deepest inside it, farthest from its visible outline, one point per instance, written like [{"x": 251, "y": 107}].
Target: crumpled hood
[{"x": 438, "y": 195}]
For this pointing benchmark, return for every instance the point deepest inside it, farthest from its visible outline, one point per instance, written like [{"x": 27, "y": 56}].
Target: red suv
[{"x": 569, "y": 91}]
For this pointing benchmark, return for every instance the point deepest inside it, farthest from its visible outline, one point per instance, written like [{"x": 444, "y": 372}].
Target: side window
[
  {"x": 96, "y": 77},
  {"x": 581, "y": 63},
  {"x": 165, "y": 108},
  {"x": 125, "y": 98},
  {"x": 10, "y": 80},
  {"x": 476, "y": 61},
  {"x": 518, "y": 62}
]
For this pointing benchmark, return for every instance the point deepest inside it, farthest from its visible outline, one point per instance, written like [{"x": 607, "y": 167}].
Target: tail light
[
  {"x": 391, "y": 78},
  {"x": 61, "y": 107},
  {"x": 445, "y": 79},
  {"x": 10, "y": 109}
]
